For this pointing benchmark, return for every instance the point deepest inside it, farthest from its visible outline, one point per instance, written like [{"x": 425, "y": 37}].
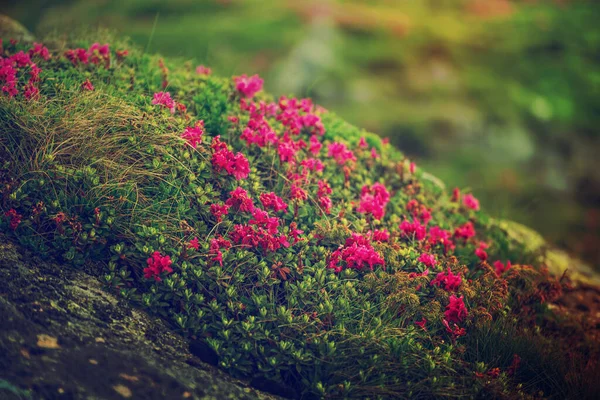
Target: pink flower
[
  {"x": 194, "y": 244},
  {"x": 456, "y": 310},
  {"x": 164, "y": 99},
  {"x": 471, "y": 202},
  {"x": 193, "y": 135},
  {"x": 413, "y": 229},
  {"x": 15, "y": 218},
  {"x": 340, "y": 153},
  {"x": 312, "y": 164},
  {"x": 373, "y": 200},
  {"x": 40, "y": 50},
  {"x": 412, "y": 168},
  {"x": 381, "y": 235},
  {"x": 216, "y": 245},
  {"x": 219, "y": 210},
  {"x": 428, "y": 260},
  {"x": 481, "y": 253},
  {"x": 362, "y": 143},
  {"x": 157, "y": 265},
  {"x": 202, "y": 70},
  {"x": 274, "y": 202},
  {"x": 456, "y": 331},
  {"x": 441, "y": 236},
  {"x": 315, "y": 145},
  {"x": 448, "y": 280},
  {"x": 87, "y": 85},
  {"x": 224, "y": 159},
  {"x": 465, "y": 231},
  {"x": 356, "y": 256},
  {"x": 456, "y": 195},
  {"x": 248, "y": 86},
  {"x": 239, "y": 199},
  {"x": 31, "y": 91},
  {"x": 421, "y": 324},
  {"x": 502, "y": 268},
  {"x": 374, "y": 154}
]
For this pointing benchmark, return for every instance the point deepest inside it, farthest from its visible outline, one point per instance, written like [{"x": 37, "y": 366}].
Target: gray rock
[
  {"x": 63, "y": 336},
  {"x": 11, "y": 29}
]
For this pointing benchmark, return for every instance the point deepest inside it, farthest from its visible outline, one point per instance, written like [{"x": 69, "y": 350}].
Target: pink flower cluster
[
  {"x": 447, "y": 280},
  {"x": 480, "y": 251},
  {"x": 373, "y": 200},
  {"x": 272, "y": 201},
  {"x": 14, "y": 218},
  {"x": 87, "y": 85},
  {"x": 96, "y": 54},
  {"x": 428, "y": 259},
  {"x": 10, "y": 66},
  {"x": 357, "y": 253},
  {"x": 501, "y": 268},
  {"x": 248, "y": 86},
  {"x": 471, "y": 202},
  {"x": 216, "y": 245},
  {"x": 224, "y": 159},
  {"x": 164, "y": 99},
  {"x": 193, "y": 135},
  {"x": 239, "y": 200},
  {"x": 340, "y": 153},
  {"x": 219, "y": 210},
  {"x": 323, "y": 196},
  {"x": 456, "y": 311},
  {"x": 157, "y": 265},
  {"x": 465, "y": 231},
  {"x": 413, "y": 230},
  {"x": 202, "y": 70}
]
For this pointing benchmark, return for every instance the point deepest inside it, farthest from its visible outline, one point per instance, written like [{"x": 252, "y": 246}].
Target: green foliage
[{"x": 104, "y": 178}]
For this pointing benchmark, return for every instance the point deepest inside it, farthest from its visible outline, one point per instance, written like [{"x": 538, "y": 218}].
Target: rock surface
[{"x": 62, "y": 336}]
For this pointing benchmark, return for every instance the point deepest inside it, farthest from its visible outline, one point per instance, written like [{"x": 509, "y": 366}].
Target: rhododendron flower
[
  {"x": 99, "y": 53},
  {"x": 356, "y": 256},
  {"x": 216, "y": 245},
  {"x": 501, "y": 267},
  {"x": 326, "y": 204},
  {"x": 315, "y": 145},
  {"x": 31, "y": 91},
  {"x": 448, "y": 280},
  {"x": 471, "y": 202},
  {"x": 257, "y": 237},
  {"x": 456, "y": 195},
  {"x": 87, "y": 85},
  {"x": 373, "y": 200},
  {"x": 413, "y": 229},
  {"x": 412, "y": 167},
  {"x": 193, "y": 135},
  {"x": 157, "y": 265},
  {"x": 294, "y": 232},
  {"x": 312, "y": 164},
  {"x": 456, "y": 330},
  {"x": 428, "y": 260},
  {"x": 121, "y": 54},
  {"x": 14, "y": 218},
  {"x": 262, "y": 219},
  {"x": 218, "y": 210},
  {"x": 194, "y": 244},
  {"x": 441, "y": 236},
  {"x": 340, "y": 153},
  {"x": 374, "y": 154},
  {"x": 421, "y": 324},
  {"x": 248, "y": 86},
  {"x": 224, "y": 159},
  {"x": 202, "y": 70},
  {"x": 274, "y": 202},
  {"x": 164, "y": 99},
  {"x": 381, "y": 235},
  {"x": 456, "y": 310},
  {"x": 362, "y": 143},
  {"x": 40, "y": 50},
  {"x": 465, "y": 231},
  {"x": 480, "y": 251},
  {"x": 239, "y": 199}
]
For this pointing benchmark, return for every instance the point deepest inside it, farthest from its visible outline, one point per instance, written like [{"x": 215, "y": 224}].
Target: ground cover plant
[{"x": 297, "y": 249}]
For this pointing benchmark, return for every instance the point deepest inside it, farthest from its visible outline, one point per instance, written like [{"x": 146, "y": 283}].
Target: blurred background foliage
[{"x": 499, "y": 96}]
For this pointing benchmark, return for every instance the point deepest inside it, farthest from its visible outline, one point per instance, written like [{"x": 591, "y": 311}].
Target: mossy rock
[
  {"x": 11, "y": 29},
  {"x": 63, "y": 336}
]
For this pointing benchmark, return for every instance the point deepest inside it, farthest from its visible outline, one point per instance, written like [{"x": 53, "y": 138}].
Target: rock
[
  {"x": 11, "y": 29},
  {"x": 63, "y": 336}
]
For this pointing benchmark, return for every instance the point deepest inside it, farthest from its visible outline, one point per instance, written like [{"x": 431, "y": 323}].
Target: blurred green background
[{"x": 499, "y": 96}]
